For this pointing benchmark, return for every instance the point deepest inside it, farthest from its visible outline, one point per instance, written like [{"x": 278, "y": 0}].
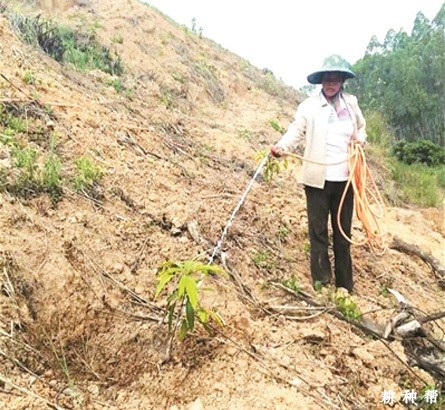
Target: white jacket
[{"x": 311, "y": 121}]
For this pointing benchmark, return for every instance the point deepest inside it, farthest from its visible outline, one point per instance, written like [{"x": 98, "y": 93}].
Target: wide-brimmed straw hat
[{"x": 333, "y": 63}]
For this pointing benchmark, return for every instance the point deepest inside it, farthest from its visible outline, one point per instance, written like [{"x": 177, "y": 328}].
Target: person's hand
[
  {"x": 277, "y": 152},
  {"x": 361, "y": 143}
]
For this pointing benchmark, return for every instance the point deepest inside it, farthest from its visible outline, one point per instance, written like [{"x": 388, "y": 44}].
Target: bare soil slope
[{"x": 175, "y": 136}]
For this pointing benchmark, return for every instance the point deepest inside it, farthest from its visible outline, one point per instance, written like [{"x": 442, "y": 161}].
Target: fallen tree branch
[
  {"x": 369, "y": 328},
  {"x": 402, "y": 246}
]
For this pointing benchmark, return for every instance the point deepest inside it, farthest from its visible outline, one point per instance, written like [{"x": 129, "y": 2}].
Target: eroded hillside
[{"x": 106, "y": 172}]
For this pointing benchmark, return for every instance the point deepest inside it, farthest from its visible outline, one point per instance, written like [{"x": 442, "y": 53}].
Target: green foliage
[
  {"x": 419, "y": 184},
  {"x": 52, "y": 180},
  {"x": 85, "y": 53},
  {"x": 118, "y": 85},
  {"x": 306, "y": 247},
  {"x": 276, "y": 126},
  {"x": 346, "y": 305},
  {"x": 263, "y": 260},
  {"x": 79, "y": 48},
  {"x": 272, "y": 166},
  {"x": 12, "y": 125},
  {"x": 292, "y": 284},
  {"x": 29, "y": 77},
  {"x": 283, "y": 233},
  {"x": 402, "y": 79},
  {"x": 87, "y": 174},
  {"x": 378, "y": 129},
  {"x": 117, "y": 38},
  {"x": 422, "y": 151},
  {"x": 441, "y": 177},
  {"x": 183, "y": 300},
  {"x": 26, "y": 160},
  {"x": 318, "y": 286}
]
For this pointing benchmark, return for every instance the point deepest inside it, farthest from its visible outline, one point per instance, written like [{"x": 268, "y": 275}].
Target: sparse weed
[
  {"x": 262, "y": 259},
  {"x": 88, "y": 174},
  {"x": 283, "y": 233},
  {"x": 244, "y": 133},
  {"x": 306, "y": 247},
  {"x": 52, "y": 180},
  {"x": 12, "y": 125},
  {"x": 29, "y": 78},
  {"x": 214, "y": 87},
  {"x": 167, "y": 97},
  {"x": 441, "y": 177},
  {"x": 183, "y": 300},
  {"x": 384, "y": 290},
  {"x": 117, "y": 38},
  {"x": 292, "y": 283},
  {"x": 26, "y": 160},
  {"x": 118, "y": 85}
]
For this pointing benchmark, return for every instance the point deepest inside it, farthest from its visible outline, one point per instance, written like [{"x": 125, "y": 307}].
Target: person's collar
[{"x": 324, "y": 101}]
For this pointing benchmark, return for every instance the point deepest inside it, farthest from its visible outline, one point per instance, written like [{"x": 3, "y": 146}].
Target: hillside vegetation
[{"x": 126, "y": 142}]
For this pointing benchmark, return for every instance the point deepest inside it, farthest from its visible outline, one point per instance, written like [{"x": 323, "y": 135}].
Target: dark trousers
[{"x": 321, "y": 203}]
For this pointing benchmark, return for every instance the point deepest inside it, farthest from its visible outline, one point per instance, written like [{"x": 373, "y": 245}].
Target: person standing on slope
[{"x": 325, "y": 125}]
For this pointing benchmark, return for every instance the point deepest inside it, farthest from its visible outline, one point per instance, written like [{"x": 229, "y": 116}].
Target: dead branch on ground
[{"x": 402, "y": 246}]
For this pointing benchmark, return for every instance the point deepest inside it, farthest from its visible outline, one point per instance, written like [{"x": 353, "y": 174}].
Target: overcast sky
[{"x": 292, "y": 37}]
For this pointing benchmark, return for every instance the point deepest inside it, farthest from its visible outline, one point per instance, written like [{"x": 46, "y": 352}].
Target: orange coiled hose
[{"x": 366, "y": 193}]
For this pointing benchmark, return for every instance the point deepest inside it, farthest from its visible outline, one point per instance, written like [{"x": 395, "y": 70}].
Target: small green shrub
[
  {"x": 346, "y": 305},
  {"x": 272, "y": 166},
  {"x": 79, "y": 48},
  {"x": 423, "y": 151},
  {"x": 85, "y": 53},
  {"x": 26, "y": 160},
  {"x": 29, "y": 77},
  {"x": 276, "y": 126},
  {"x": 118, "y": 85},
  {"x": 183, "y": 300}
]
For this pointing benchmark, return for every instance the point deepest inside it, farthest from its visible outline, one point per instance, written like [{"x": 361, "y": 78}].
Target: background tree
[{"x": 403, "y": 79}]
